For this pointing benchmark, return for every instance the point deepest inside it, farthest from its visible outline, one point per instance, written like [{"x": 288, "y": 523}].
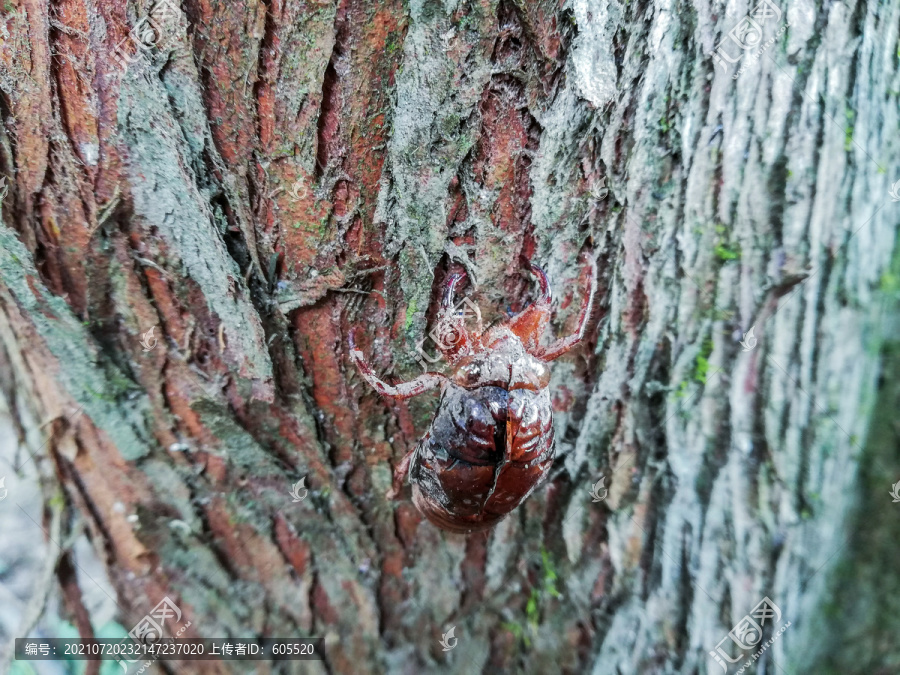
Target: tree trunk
[{"x": 255, "y": 178}]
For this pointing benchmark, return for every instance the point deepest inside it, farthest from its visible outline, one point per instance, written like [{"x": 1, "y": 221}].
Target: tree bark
[{"x": 258, "y": 177}]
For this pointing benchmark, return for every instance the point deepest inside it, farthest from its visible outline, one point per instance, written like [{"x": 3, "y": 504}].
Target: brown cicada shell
[{"x": 490, "y": 443}]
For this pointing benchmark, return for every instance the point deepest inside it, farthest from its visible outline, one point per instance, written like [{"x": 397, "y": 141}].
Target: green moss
[
  {"x": 516, "y": 630},
  {"x": 468, "y": 22},
  {"x": 701, "y": 364},
  {"x": 725, "y": 252},
  {"x": 524, "y": 632},
  {"x": 848, "y": 132},
  {"x": 410, "y": 314},
  {"x": 531, "y": 608},
  {"x": 723, "y": 249},
  {"x": 101, "y": 395},
  {"x": 450, "y": 123},
  {"x": 550, "y": 575},
  {"x": 890, "y": 282}
]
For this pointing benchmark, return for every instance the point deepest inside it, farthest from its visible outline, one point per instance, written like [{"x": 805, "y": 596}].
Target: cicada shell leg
[
  {"x": 530, "y": 323},
  {"x": 402, "y": 390},
  {"x": 563, "y": 345},
  {"x": 400, "y": 474}
]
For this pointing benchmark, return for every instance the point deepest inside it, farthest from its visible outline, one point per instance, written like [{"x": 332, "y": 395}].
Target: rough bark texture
[{"x": 271, "y": 173}]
